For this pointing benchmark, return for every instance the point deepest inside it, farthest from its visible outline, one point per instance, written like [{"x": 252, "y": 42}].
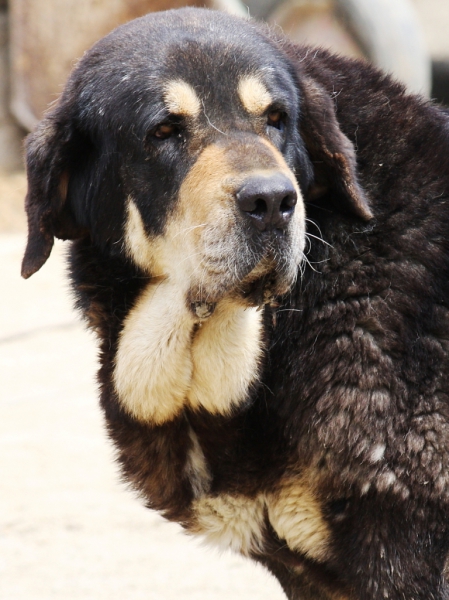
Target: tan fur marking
[
  {"x": 225, "y": 356},
  {"x": 296, "y": 516},
  {"x": 181, "y": 99},
  {"x": 233, "y": 522},
  {"x": 153, "y": 362},
  {"x": 208, "y": 184},
  {"x": 254, "y": 95},
  {"x": 64, "y": 185},
  {"x": 196, "y": 467},
  {"x": 280, "y": 162},
  {"x": 137, "y": 243},
  {"x": 207, "y": 194}
]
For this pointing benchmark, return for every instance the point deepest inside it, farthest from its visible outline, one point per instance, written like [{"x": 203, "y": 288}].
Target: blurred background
[
  {"x": 41, "y": 40},
  {"x": 68, "y": 528}
]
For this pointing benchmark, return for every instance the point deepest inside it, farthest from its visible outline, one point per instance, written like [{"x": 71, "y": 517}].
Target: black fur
[{"x": 356, "y": 354}]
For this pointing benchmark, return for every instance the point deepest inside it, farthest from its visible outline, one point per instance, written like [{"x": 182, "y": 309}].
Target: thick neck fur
[
  {"x": 162, "y": 357},
  {"x": 167, "y": 359}
]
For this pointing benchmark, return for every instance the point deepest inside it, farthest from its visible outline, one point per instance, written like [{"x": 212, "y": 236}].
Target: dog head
[{"x": 186, "y": 142}]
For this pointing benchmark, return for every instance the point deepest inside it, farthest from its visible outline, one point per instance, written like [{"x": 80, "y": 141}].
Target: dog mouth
[
  {"x": 252, "y": 292},
  {"x": 261, "y": 286},
  {"x": 247, "y": 269}
]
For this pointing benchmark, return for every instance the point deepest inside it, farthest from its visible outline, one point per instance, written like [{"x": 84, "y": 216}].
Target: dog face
[
  {"x": 233, "y": 212},
  {"x": 188, "y": 156}
]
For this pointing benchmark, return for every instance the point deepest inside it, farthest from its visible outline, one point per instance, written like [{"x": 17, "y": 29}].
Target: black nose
[{"x": 268, "y": 201}]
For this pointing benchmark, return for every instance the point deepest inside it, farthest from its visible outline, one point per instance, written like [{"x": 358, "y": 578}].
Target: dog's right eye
[{"x": 165, "y": 131}]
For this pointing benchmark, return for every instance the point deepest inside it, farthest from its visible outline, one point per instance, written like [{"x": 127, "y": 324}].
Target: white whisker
[
  {"x": 319, "y": 239},
  {"x": 310, "y": 264},
  {"x": 210, "y": 122},
  {"x": 190, "y": 256},
  {"x": 315, "y": 225},
  {"x": 189, "y": 229}
]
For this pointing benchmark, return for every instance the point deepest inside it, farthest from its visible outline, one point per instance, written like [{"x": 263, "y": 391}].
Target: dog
[{"x": 260, "y": 240}]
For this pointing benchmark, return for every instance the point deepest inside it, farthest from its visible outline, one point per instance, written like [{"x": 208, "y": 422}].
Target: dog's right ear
[{"x": 49, "y": 157}]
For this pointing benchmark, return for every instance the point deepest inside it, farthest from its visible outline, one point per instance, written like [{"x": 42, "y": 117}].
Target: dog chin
[
  {"x": 262, "y": 285},
  {"x": 264, "y": 289}
]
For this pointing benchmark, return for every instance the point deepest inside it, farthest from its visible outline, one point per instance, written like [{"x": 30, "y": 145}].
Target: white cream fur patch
[
  {"x": 237, "y": 522},
  {"x": 377, "y": 453},
  {"x": 296, "y": 516},
  {"x": 231, "y": 522},
  {"x": 153, "y": 365},
  {"x": 136, "y": 241},
  {"x": 196, "y": 467},
  {"x": 161, "y": 365},
  {"x": 181, "y": 99},
  {"x": 254, "y": 95},
  {"x": 225, "y": 356}
]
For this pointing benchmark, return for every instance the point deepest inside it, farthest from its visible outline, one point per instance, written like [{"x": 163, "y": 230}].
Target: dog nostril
[
  {"x": 260, "y": 208},
  {"x": 288, "y": 202},
  {"x": 268, "y": 201}
]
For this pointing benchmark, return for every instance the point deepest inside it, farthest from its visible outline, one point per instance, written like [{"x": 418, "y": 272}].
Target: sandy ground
[
  {"x": 12, "y": 193},
  {"x": 68, "y": 528}
]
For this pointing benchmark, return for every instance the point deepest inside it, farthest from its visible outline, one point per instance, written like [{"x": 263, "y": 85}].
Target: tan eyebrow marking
[
  {"x": 181, "y": 98},
  {"x": 254, "y": 95}
]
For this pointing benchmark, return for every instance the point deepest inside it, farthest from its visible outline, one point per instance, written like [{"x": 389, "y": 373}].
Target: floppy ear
[
  {"x": 331, "y": 152},
  {"x": 49, "y": 152}
]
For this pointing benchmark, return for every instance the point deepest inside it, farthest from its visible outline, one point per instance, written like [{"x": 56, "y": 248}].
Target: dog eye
[
  {"x": 276, "y": 118},
  {"x": 165, "y": 131}
]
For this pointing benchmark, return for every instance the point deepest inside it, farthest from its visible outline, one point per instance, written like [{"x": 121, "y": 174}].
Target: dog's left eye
[{"x": 276, "y": 119}]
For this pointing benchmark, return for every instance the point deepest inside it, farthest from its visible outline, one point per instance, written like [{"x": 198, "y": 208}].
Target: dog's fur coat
[{"x": 276, "y": 384}]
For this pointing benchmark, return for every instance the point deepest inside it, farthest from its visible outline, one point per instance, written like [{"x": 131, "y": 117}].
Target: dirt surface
[{"x": 12, "y": 194}]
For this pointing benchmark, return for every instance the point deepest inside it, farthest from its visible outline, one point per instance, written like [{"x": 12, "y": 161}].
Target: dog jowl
[{"x": 180, "y": 160}]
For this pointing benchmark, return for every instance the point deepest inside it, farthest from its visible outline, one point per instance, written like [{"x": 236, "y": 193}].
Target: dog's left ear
[{"x": 331, "y": 152}]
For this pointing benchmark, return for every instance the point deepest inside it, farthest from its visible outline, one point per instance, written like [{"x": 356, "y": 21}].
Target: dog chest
[{"x": 242, "y": 524}]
